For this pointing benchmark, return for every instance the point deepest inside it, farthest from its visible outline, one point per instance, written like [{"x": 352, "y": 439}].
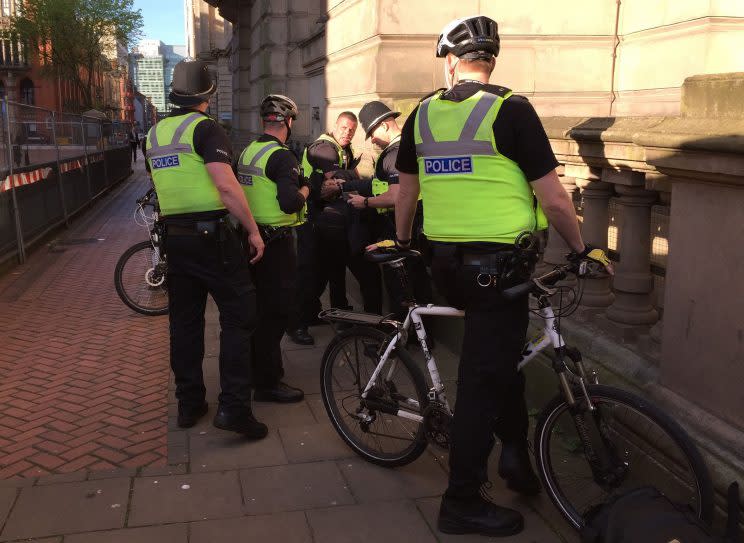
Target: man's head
[
  {"x": 277, "y": 113},
  {"x": 345, "y": 128},
  {"x": 378, "y": 122},
  {"x": 470, "y": 46},
  {"x": 192, "y": 84}
]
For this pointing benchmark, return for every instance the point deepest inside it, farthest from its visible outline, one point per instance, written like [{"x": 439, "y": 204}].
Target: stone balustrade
[{"x": 687, "y": 174}]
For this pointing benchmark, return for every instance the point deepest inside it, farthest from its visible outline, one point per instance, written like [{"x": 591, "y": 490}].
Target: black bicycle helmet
[
  {"x": 470, "y": 38},
  {"x": 276, "y": 107}
]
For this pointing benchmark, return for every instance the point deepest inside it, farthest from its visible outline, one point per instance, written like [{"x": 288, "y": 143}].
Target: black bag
[{"x": 645, "y": 515}]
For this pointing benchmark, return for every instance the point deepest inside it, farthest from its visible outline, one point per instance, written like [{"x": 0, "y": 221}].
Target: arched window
[{"x": 27, "y": 91}]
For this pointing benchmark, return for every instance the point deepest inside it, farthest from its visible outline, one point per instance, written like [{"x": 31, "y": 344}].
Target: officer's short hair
[
  {"x": 347, "y": 115},
  {"x": 479, "y": 65}
]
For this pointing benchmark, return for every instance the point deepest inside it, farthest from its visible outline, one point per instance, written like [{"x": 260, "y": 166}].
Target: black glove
[{"x": 589, "y": 253}]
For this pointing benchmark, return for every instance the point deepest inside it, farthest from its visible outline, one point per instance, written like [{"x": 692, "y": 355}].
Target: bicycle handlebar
[
  {"x": 381, "y": 256},
  {"x": 145, "y": 200},
  {"x": 541, "y": 284}
]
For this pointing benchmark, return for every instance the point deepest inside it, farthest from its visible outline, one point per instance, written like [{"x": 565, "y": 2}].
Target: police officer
[
  {"x": 270, "y": 176},
  {"x": 190, "y": 158},
  {"x": 379, "y": 123},
  {"x": 322, "y": 244},
  {"x": 479, "y": 155}
]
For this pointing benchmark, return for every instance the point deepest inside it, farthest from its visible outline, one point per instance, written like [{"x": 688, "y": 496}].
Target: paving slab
[
  {"x": 391, "y": 522},
  {"x": 7, "y": 498},
  {"x": 293, "y": 487},
  {"x": 313, "y": 443},
  {"x": 62, "y": 478},
  {"x": 219, "y": 450},
  {"x": 68, "y": 508},
  {"x": 174, "y": 533},
  {"x": 183, "y": 498},
  {"x": 279, "y": 528},
  {"x": 370, "y": 482},
  {"x": 283, "y": 415},
  {"x": 315, "y": 401}
]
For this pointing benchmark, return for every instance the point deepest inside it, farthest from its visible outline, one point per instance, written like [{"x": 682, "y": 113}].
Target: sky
[{"x": 163, "y": 20}]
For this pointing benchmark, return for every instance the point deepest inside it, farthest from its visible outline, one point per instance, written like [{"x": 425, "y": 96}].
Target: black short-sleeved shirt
[
  {"x": 210, "y": 140},
  {"x": 517, "y": 130},
  {"x": 282, "y": 168},
  {"x": 385, "y": 169}
]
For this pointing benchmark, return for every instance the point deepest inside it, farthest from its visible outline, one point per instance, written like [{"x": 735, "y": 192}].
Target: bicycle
[
  {"x": 589, "y": 441},
  {"x": 140, "y": 273}
]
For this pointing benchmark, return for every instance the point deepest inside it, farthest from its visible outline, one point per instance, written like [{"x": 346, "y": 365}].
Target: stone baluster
[
  {"x": 595, "y": 196},
  {"x": 657, "y": 329},
  {"x": 633, "y": 282}
]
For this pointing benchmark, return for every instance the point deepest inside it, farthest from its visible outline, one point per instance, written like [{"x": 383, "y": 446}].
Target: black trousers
[
  {"x": 275, "y": 278},
  {"x": 134, "y": 146},
  {"x": 322, "y": 258},
  {"x": 198, "y": 266},
  {"x": 490, "y": 390}
]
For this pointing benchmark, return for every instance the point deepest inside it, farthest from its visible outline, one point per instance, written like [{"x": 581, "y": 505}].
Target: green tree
[{"x": 72, "y": 38}]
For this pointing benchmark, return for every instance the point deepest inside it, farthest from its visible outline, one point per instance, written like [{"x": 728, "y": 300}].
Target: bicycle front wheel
[
  {"x": 140, "y": 279},
  {"x": 647, "y": 447},
  {"x": 371, "y": 429}
]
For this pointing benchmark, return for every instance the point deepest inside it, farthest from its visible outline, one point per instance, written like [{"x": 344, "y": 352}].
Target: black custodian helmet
[
  {"x": 277, "y": 108},
  {"x": 192, "y": 83},
  {"x": 470, "y": 38}
]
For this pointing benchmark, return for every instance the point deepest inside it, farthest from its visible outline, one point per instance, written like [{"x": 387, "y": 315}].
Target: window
[
  {"x": 27, "y": 92},
  {"x": 6, "y": 11}
]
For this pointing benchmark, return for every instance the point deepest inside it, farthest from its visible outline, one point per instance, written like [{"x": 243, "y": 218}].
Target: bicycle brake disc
[
  {"x": 438, "y": 425},
  {"x": 154, "y": 278}
]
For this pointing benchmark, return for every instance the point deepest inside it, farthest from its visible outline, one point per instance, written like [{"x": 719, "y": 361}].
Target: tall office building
[{"x": 152, "y": 70}]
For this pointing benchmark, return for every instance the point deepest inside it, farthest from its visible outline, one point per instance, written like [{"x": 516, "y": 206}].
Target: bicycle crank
[{"x": 438, "y": 425}]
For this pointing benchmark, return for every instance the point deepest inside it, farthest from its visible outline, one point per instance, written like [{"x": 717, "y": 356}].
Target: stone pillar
[
  {"x": 633, "y": 281},
  {"x": 595, "y": 197},
  {"x": 657, "y": 330}
]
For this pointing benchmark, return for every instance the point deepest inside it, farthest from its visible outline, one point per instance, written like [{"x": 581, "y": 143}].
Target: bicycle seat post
[{"x": 399, "y": 268}]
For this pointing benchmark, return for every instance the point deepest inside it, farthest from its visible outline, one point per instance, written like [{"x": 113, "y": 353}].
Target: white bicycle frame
[{"x": 549, "y": 336}]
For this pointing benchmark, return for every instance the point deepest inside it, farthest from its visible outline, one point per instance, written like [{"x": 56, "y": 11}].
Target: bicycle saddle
[{"x": 382, "y": 256}]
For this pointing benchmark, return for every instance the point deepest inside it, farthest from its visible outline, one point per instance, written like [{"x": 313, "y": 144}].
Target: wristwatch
[{"x": 366, "y": 201}]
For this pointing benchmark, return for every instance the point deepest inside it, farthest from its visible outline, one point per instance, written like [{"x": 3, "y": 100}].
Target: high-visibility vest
[
  {"x": 180, "y": 176},
  {"x": 471, "y": 192},
  {"x": 379, "y": 186},
  {"x": 308, "y": 169},
  {"x": 261, "y": 191}
]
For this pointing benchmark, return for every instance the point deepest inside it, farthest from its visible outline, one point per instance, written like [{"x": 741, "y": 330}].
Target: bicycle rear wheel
[
  {"x": 378, "y": 436},
  {"x": 140, "y": 279},
  {"x": 649, "y": 449}
]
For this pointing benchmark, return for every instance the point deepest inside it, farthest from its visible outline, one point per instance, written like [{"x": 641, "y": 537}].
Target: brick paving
[{"x": 83, "y": 379}]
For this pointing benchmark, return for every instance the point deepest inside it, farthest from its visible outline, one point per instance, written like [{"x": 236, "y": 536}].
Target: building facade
[
  {"x": 208, "y": 37},
  {"x": 152, "y": 63}
]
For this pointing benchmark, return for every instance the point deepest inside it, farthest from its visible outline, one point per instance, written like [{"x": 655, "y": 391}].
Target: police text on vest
[
  {"x": 165, "y": 162},
  {"x": 448, "y": 165}
]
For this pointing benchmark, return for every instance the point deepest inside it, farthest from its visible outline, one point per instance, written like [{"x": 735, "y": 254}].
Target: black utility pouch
[{"x": 207, "y": 228}]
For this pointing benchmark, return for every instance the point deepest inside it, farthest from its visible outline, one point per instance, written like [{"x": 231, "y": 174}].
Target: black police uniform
[
  {"x": 322, "y": 243},
  {"x": 495, "y": 328},
  {"x": 276, "y": 273},
  {"x": 214, "y": 264}
]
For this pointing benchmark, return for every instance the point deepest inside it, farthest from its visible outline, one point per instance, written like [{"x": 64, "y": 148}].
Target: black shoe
[
  {"x": 245, "y": 424},
  {"x": 189, "y": 415},
  {"x": 281, "y": 393},
  {"x": 515, "y": 467},
  {"x": 478, "y": 516},
  {"x": 301, "y": 336}
]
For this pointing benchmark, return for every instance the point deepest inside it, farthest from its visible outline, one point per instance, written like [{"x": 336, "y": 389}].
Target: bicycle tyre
[
  {"x": 160, "y": 308},
  {"x": 345, "y": 424},
  {"x": 547, "y": 427}
]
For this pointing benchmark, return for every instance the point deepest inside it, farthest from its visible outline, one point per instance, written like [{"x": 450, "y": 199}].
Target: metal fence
[{"x": 51, "y": 166}]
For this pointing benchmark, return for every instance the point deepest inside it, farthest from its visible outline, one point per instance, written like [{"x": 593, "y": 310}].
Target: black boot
[
  {"x": 478, "y": 516},
  {"x": 301, "y": 336},
  {"x": 244, "y": 423},
  {"x": 515, "y": 467},
  {"x": 281, "y": 393},
  {"x": 188, "y": 415}
]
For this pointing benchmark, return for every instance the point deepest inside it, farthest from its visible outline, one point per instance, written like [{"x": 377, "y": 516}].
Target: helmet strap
[
  {"x": 289, "y": 129},
  {"x": 450, "y": 78}
]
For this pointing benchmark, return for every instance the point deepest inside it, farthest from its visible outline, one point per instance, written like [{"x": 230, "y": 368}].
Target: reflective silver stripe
[
  {"x": 424, "y": 128},
  {"x": 163, "y": 150},
  {"x": 466, "y": 144},
  {"x": 182, "y": 127},
  {"x": 156, "y": 150},
  {"x": 476, "y": 117},
  {"x": 449, "y": 148},
  {"x": 252, "y": 169}
]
